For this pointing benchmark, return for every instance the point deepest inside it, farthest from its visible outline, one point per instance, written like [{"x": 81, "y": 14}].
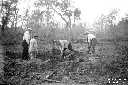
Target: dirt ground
[{"x": 109, "y": 62}]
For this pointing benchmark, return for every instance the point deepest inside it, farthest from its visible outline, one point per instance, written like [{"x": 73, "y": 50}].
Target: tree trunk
[
  {"x": 16, "y": 11},
  {"x": 0, "y": 32},
  {"x": 48, "y": 20},
  {"x": 1, "y": 29},
  {"x": 69, "y": 29}
]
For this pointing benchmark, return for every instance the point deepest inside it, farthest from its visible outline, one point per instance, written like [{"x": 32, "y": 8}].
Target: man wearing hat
[
  {"x": 92, "y": 41},
  {"x": 27, "y": 35},
  {"x": 25, "y": 43},
  {"x": 33, "y": 47}
]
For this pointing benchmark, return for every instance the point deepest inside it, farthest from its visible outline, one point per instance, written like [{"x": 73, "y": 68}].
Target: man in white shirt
[
  {"x": 92, "y": 41},
  {"x": 25, "y": 44},
  {"x": 33, "y": 47}
]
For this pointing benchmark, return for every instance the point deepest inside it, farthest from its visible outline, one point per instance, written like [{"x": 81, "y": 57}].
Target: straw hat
[{"x": 86, "y": 32}]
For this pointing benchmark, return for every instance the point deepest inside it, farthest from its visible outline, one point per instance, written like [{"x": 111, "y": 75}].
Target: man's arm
[
  {"x": 36, "y": 46},
  {"x": 61, "y": 50},
  {"x": 89, "y": 40},
  {"x": 23, "y": 37},
  {"x": 61, "y": 47},
  {"x": 30, "y": 46},
  {"x": 28, "y": 37}
]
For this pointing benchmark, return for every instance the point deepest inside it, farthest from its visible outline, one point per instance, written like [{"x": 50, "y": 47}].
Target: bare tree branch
[{"x": 59, "y": 14}]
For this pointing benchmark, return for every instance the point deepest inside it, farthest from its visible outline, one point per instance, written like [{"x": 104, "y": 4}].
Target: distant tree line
[{"x": 45, "y": 25}]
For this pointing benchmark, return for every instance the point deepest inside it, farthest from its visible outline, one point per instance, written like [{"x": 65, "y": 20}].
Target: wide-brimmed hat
[{"x": 86, "y": 32}]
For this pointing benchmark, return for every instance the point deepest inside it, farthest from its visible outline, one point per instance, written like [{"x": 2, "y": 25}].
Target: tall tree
[
  {"x": 123, "y": 25},
  {"x": 111, "y": 18},
  {"x": 8, "y": 12},
  {"x": 106, "y": 24},
  {"x": 1, "y": 4},
  {"x": 63, "y": 8}
]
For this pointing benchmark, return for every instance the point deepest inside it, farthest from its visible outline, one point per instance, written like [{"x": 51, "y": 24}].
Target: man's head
[{"x": 86, "y": 33}]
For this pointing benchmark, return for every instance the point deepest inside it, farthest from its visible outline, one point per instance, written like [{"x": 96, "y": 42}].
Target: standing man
[
  {"x": 25, "y": 44},
  {"x": 33, "y": 47},
  {"x": 92, "y": 41}
]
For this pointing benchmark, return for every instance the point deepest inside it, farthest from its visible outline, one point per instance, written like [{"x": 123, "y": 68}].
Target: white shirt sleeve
[
  {"x": 31, "y": 45},
  {"x": 23, "y": 37},
  {"x": 36, "y": 45},
  {"x": 89, "y": 39}
]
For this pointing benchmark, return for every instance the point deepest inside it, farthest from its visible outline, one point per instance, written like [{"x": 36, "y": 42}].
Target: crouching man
[
  {"x": 33, "y": 47},
  {"x": 63, "y": 45},
  {"x": 92, "y": 41}
]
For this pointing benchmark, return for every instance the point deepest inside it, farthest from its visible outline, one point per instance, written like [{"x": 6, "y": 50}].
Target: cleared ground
[{"x": 109, "y": 62}]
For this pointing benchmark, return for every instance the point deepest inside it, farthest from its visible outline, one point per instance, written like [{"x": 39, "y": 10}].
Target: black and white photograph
[{"x": 63, "y": 42}]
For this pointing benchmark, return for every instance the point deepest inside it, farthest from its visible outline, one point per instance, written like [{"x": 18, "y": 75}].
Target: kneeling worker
[{"x": 63, "y": 45}]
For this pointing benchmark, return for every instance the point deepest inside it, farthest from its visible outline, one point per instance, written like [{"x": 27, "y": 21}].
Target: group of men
[
  {"x": 30, "y": 44},
  {"x": 91, "y": 40}
]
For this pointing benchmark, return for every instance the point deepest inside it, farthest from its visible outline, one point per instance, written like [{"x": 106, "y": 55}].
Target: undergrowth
[{"x": 48, "y": 68}]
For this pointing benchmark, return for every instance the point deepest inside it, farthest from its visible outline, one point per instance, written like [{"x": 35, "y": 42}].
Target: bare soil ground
[{"x": 109, "y": 62}]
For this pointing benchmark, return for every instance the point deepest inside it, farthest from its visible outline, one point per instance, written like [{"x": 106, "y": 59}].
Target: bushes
[
  {"x": 17, "y": 72},
  {"x": 12, "y": 36},
  {"x": 122, "y": 38},
  {"x": 78, "y": 41}
]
